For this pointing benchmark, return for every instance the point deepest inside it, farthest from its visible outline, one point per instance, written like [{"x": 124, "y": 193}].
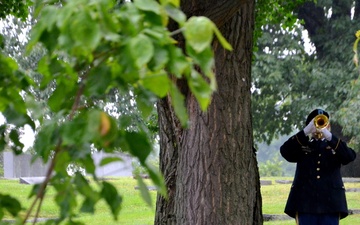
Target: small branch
[
  {"x": 175, "y": 32},
  {"x": 41, "y": 193}
]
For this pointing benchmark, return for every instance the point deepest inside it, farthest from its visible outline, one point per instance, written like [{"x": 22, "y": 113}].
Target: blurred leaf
[
  {"x": 59, "y": 99},
  {"x": 178, "y": 63},
  {"x": 198, "y": 33},
  {"x": 90, "y": 195},
  {"x": 178, "y": 102},
  {"x": 139, "y": 145},
  {"x": 148, "y": 5},
  {"x": 85, "y": 31},
  {"x": 98, "y": 81},
  {"x": 45, "y": 140},
  {"x": 158, "y": 180},
  {"x": 112, "y": 198},
  {"x": 145, "y": 101},
  {"x": 65, "y": 197},
  {"x": 176, "y": 14},
  {"x": 141, "y": 50},
  {"x": 144, "y": 190},
  {"x": 157, "y": 83},
  {"x": 109, "y": 160},
  {"x": 201, "y": 89},
  {"x": 10, "y": 204},
  {"x": 221, "y": 39}
]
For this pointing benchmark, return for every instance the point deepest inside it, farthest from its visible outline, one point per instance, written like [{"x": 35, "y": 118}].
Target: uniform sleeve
[
  {"x": 345, "y": 154},
  {"x": 291, "y": 150}
]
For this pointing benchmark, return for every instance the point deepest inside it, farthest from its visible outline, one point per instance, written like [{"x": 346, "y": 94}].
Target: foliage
[
  {"x": 275, "y": 12},
  {"x": 289, "y": 81},
  {"x": 271, "y": 168},
  {"x": 94, "y": 48},
  {"x": 349, "y": 117},
  {"x": 18, "y": 8}
]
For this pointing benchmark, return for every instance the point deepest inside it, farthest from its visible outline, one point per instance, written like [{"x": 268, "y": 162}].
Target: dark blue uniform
[{"x": 317, "y": 187}]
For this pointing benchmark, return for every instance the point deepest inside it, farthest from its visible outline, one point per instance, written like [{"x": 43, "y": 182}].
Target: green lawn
[
  {"x": 136, "y": 212},
  {"x": 274, "y": 198}
]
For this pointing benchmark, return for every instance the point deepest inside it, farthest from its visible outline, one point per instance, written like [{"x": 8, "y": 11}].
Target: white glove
[
  {"x": 327, "y": 134},
  {"x": 310, "y": 128}
]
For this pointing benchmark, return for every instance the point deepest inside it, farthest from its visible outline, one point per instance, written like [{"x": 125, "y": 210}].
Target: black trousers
[{"x": 317, "y": 219}]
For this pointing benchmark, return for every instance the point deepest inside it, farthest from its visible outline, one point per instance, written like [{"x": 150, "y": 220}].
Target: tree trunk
[{"x": 210, "y": 169}]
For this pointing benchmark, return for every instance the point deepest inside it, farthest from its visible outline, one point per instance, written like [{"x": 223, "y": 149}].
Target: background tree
[{"x": 289, "y": 81}]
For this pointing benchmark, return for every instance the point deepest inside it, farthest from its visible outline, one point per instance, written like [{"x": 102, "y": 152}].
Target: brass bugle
[{"x": 321, "y": 121}]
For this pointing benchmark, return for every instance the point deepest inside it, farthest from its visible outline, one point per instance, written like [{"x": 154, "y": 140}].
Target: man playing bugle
[{"x": 317, "y": 195}]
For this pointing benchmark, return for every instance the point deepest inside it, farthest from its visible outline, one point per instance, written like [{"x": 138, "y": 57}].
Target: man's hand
[
  {"x": 310, "y": 128},
  {"x": 327, "y": 134}
]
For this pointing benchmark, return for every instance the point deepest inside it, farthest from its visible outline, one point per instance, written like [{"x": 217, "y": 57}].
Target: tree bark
[{"x": 210, "y": 169}]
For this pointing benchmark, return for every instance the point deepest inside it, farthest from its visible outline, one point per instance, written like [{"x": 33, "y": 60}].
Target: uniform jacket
[{"x": 317, "y": 185}]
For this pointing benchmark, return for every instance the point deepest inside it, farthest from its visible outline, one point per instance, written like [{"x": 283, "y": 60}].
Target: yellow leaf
[{"x": 105, "y": 124}]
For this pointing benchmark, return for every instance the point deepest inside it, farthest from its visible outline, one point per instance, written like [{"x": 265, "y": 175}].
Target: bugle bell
[{"x": 320, "y": 121}]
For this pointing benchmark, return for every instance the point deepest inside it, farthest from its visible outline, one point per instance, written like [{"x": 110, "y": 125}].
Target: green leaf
[
  {"x": 112, "y": 198},
  {"x": 160, "y": 58},
  {"x": 201, "y": 89},
  {"x": 60, "y": 98},
  {"x": 144, "y": 190},
  {"x": 178, "y": 64},
  {"x": 7, "y": 67},
  {"x": 9, "y": 203},
  {"x": 73, "y": 131},
  {"x": 175, "y": 3},
  {"x": 145, "y": 102},
  {"x": 15, "y": 113},
  {"x": 45, "y": 24},
  {"x": 178, "y": 102},
  {"x": 157, "y": 179},
  {"x": 198, "y": 33},
  {"x": 91, "y": 196},
  {"x": 109, "y": 160},
  {"x": 141, "y": 50},
  {"x": 17, "y": 145},
  {"x": 139, "y": 145},
  {"x": 62, "y": 161},
  {"x": 98, "y": 81},
  {"x": 158, "y": 83},
  {"x": 176, "y": 14},
  {"x": 65, "y": 197},
  {"x": 148, "y": 5},
  {"x": 204, "y": 59},
  {"x": 85, "y": 31},
  {"x": 221, "y": 38},
  {"x": 45, "y": 140},
  {"x": 88, "y": 205}
]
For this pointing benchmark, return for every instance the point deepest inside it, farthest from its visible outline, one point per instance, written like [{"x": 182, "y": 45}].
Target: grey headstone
[
  {"x": 353, "y": 189},
  {"x": 265, "y": 182},
  {"x": 31, "y": 180},
  {"x": 283, "y": 181},
  {"x": 351, "y": 179}
]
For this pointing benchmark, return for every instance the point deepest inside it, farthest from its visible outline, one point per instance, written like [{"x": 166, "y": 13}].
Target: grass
[{"x": 135, "y": 211}]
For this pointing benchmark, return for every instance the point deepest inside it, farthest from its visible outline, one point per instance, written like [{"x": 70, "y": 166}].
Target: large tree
[
  {"x": 210, "y": 168},
  {"x": 95, "y": 51}
]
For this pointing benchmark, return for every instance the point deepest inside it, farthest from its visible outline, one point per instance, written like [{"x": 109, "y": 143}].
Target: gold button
[
  {"x": 318, "y": 177},
  {"x": 319, "y": 155},
  {"x": 318, "y": 162},
  {"x": 318, "y": 169}
]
